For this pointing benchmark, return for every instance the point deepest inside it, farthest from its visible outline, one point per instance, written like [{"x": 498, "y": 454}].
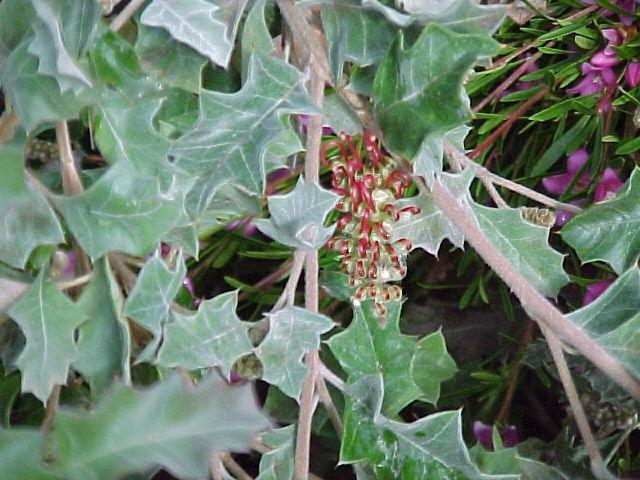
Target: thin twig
[
  {"x": 597, "y": 465},
  {"x": 8, "y": 123},
  {"x": 71, "y": 183},
  {"x": 215, "y": 467},
  {"x": 270, "y": 279},
  {"x": 331, "y": 377},
  {"x": 327, "y": 402},
  {"x": 289, "y": 293},
  {"x": 512, "y": 118},
  {"x": 126, "y": 276},
  {"x": 482, "y": 173},
  {"x": 126, "y": 13},
  {"x": 534, "y": 302},
  {"x": 515, "y": 75},
  {"x": 234, "y": 467},
  {"x": 50, "y": 410},
  {"x": 75, "y": 282}
]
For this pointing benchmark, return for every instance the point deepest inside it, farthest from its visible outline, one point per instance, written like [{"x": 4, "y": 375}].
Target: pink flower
[
  {"x": 628, "y": 5},
  {"x": 608, "y": 184},
  {"x": 562, "y": 216},
  {"x": 593, "y": 291},
  {"x": 557, "y": 184},
  {"x": 484, "y": 435},
  {"x": 304, "y": 124},
  {"x": 595, "y": 80},
  {"x": 632, "y": 74}
]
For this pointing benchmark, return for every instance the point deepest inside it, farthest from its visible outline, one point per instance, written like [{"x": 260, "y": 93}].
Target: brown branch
[
  {"x": 71, "y": 183},
  {"x": 597, "y": 465},
  {"x": 8, "y": 123},
  {"x": 234, "y": 467},
  {"x": 50, "y": 410},
  {"x": 534, "y": 303},
  {"x": 325, "y": 399},
  {"x": 126, "y": 13},
  {"x": 511, "y": 119}
]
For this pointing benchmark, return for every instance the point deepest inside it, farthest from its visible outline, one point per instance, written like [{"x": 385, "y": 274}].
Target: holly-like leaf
[
  {"x": 431, "y": 226},
  {"x": 149, "y": 303},
  {"x": 25, "y": 215},
  {"x": 169, "y": 61},
  {"x": 432, "y": 365},
  {"x": 338, "y": 116},
  {"x": 508, "y": 461},
  {"x": 277, "y": 464},
  {"x": 140, "y": 198},
  {"x": 103, "y": 340},
  {"x": 293, "y": 331},
  {"x": 608, "y": 230},
  {"x": 15, "y": 21},
  {"x": 354, "y": 35},
  {"x": 20, "y": 455},
  {"x": 207, "y": 26},
  {"x": 526, "y": 245},
  {"x": 255, "y": 35},
  {"x": 37, "y": 98},
  {"x": 428, "y": 161},
  {"x": 231, "y": 141},
  {"x": 411, "y": 86},
  {"x": 613, "y": 320},
  {"x": 429, "y": 445},
  {"x": 48, "y": 320},
  {"x": 214, "y": 336},
  {"x": 366, "y": 348},
  {"x": 297, "y": 217},
  {"x": 166, "y": 425},
  {"x": 62, "y": 32},
  {"x": 463, "y": 16}
]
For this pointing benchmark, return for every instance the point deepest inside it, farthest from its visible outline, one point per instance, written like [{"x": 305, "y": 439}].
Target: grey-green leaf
[
  {"x": 432, "y": 365},
  {"x": 141, "y": 197},
  {"x": 613, "y": 320},
  {"x": 48, "y": 320},
  {"x": 207, "y": 26},
  {"x": 149, "y": 303},
  {"x": 428, "y": 161},
  {"x": 27, "y": 218},
  {"x": 231, "y": 141},
  {"x": 418, "y": 91},
  {"x": 608, "y": 230},
  {"x": 255, "y": 35},
  {"x": 213, "y": 337},
  {"x": 169, "y": 61},
  {"x": 297, "y": 217},
  {"x": 293, "y": 331},
  {"x": 368, "y": 347},
  {"x": 133, "y": 431},
  {"x": 103, "y": 340},
  {"x": 21, "y": 455},
  {"x": 277, "y": 464}
]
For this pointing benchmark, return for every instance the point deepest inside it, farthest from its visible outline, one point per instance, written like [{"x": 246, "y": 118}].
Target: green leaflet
[
  {"x": 432, "y": 445},
  {"x": 418, "y": 91},
  {"x": 169, "y": 61},
  {"x": 141, "y": 198},
  {"x": 132, "y": 431},
  {"x": 207, "y": 26},
  {"x": 48, "y": 320},
  {"x": 214, "y": 336},
  {"x": 255, "y": 35},
  {"x": 613, "y": 320},
  {"x": 608, "y": 230},
  {"x": 239, "y": 137},
  {"x": 508, "y": 461},
  {"x": 293, "y": 331},
  {"x": 297, "y": 217},
  {"x": 366, "y": 348},
  {"x": 27, "y": 218},
  {"x": 15, "y": 22},
  {"x": 103, "y": 340},
  {"x": 62, "y": 32},
  {"x": 149, "y": 303},
  {"x": 278, "y": 463},
  {"x": 20, "y": 455},
  {"x": 432, "y": 365}
]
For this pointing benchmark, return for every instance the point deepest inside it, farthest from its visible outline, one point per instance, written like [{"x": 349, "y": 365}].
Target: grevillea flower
[
  {"x": 632, "y": 74},
  {"x": 484, "y": 435},
  {"x": 593, "y": 291}
]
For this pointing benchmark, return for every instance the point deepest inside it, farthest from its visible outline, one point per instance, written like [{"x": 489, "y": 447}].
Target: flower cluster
[
  {"x": 368, "y": 190},
  {"x": 598, "y": 73}
]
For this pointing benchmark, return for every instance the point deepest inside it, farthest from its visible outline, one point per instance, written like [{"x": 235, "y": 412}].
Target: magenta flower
[
  {"x": 484, "y": 435},
  {"x": 595, "y": 80},
  {"x": 593, "y": 291},
  {"x": 557, "y": 184},
  {"x": 304, "y": 124},
  {"x": 632, "y": 74},
  {"x": 628, "y": 5},
  {"x": 608, "y": 185},
  {"x": 562, "y": 216}
]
